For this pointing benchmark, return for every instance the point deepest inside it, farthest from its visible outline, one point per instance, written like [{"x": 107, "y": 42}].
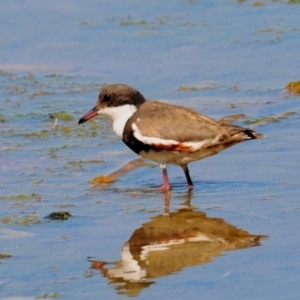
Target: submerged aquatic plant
[
  {"x": 5, "y": 255},
  {"x": 25, "y": 221},
  {"x": 23, "y": 197},
  {"x": 270, "y": 119},
  {"x": 293, "y": 87}
]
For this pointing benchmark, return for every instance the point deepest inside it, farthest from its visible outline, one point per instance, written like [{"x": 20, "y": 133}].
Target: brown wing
[{"x": 172, "y": 122}]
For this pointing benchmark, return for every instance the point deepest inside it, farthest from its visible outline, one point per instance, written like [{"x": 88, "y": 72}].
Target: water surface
[{"x": 227, "y": 59}]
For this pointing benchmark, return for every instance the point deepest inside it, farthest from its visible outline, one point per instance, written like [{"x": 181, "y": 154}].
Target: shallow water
[{"x": 223, "y": 58}]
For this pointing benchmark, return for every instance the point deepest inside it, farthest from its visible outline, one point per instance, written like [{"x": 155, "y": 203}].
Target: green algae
[
  {"x": 37, "y": 134},
  {"x": 24, "y": 221},
  {"x": 270, "y": 119},
  {"x": 62, "y": 116},
  {"x": 77, "y": 163},
  {"x": 42, "y": 93},
  {"x": 49, "y": 296},
  {"x": 22, "y": 197},
  {"x": 3, "y": 118},
  {"x": 232, "y": 118},
  {"x": 5, "y": 255},
  {"x": 185, "y": 88},
  {"x": 129, "y": 22}
]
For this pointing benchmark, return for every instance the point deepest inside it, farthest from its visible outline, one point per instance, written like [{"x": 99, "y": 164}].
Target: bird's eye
[{"x": 106, "y": 98}]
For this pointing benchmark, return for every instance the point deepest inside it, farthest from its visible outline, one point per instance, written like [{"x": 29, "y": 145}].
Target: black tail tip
[{"x": 254, "y": 135}]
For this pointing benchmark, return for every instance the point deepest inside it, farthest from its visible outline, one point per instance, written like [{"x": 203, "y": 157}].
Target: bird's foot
[
  {"x": 190, "y": 188},
  {"x": 164, "y": 187}
]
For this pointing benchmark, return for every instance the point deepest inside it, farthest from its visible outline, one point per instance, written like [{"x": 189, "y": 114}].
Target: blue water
[{"x": 54, "y": 59}]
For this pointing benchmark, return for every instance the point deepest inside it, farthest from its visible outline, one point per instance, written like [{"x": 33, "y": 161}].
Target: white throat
[{"x": 119, "y": 115}]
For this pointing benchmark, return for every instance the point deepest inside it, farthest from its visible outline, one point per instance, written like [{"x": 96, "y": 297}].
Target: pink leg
[
  {"x": 190, "y": 188},
  {"x": 166, "y": 184}
]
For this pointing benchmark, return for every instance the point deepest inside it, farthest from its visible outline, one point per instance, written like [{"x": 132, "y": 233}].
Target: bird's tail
[{"x": 253, "y": 134}]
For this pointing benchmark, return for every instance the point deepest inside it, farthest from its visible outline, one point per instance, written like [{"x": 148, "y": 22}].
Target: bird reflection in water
[{"x": 169, "y": 243}]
